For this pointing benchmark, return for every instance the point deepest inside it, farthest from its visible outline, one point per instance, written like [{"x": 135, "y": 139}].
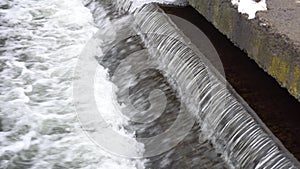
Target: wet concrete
[
  {"x": 273, "y": 104},
  {"x": 271, "y": 39}
]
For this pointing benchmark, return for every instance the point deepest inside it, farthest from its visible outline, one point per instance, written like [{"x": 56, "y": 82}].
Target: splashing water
[{"x": 40, "y": 43}]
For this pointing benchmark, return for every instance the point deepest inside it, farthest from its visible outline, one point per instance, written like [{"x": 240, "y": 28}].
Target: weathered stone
[{"x": 272, "y": 39}]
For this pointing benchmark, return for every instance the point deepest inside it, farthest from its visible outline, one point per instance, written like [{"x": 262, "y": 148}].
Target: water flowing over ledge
[
  {"x": 233, "y": 127},
  {"x": 39, "y": 128}
]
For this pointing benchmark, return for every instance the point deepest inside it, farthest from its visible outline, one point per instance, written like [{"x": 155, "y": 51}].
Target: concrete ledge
[{"x": 272, "y": 39}]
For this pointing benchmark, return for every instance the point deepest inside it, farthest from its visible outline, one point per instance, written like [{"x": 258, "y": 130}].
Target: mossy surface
[
  {"x": 295, "y": 86},
  {"x": 279, "y": 69}
]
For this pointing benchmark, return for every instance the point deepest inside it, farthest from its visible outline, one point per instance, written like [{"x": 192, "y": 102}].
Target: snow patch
[{"x": 250, "y": 7}]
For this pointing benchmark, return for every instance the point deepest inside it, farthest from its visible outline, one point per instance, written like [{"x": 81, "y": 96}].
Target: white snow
[{"x": 250, "y": 7}]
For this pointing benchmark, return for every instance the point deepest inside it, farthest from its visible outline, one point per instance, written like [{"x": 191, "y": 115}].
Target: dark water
[
  {"x": 226, "y": 133},
  {"x": 274, "y": 105},
  {"x": 147, "y": 72}
]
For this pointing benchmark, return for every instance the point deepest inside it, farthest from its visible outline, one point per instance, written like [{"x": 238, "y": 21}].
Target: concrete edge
[
  {"x": 273, "y": 51},
  {"x": 233, "y": 92}
]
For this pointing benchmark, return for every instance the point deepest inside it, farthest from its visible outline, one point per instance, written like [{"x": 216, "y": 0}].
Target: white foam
[{"x": 38, "y": 119}]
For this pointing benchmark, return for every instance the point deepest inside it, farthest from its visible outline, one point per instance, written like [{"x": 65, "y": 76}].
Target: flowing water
[
  {"x": 40, "y": 43},
  {"x": 148, "y": 77}
]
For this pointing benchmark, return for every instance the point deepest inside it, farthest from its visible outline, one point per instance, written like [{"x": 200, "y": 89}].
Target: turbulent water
[
  {"x": 40, "y": 43},
  {"x": 43, "y": 42}
]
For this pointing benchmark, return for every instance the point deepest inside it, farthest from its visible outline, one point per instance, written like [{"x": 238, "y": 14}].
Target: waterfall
[
  {"x": 159, "y": 101},
  {"x": 233, "y": 128}
]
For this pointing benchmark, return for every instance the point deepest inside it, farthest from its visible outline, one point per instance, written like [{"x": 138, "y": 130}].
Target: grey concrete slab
[
  {"x": 284, "y": 18},
  {"x": 272, "y": 39}
]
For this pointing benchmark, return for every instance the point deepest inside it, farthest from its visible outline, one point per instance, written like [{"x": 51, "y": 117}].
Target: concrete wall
[{"x": 263, "y": 38}]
